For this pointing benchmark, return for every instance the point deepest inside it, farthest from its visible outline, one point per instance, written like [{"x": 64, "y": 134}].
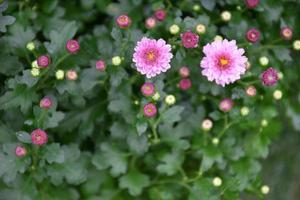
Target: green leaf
[
  {"x": 134, "y": 181},
  {"x": 171, "y": 163},
  {"x": 5, "y": 20},
  {"x": 54, "y": 153},
  {"x": 172, "y": 114},
  {"x": 208, "y": 4},
  {"x": 23, "y": 137}
]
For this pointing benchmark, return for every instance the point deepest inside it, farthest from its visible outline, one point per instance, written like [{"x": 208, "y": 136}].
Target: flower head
[
  {"x": 207, "y": 124},
  {"x": 189, "y": 39},
  {"x": 20, "y": 151},
  {"x": 160, "y": 14},
  {"x": 286, "y": 33},
  {"x": 39, "y": 137},
  {"x": 60, "y": 74},
  {"x": 152, "y": 57},
  {"x": 251, "y": 3},
  {"x": 170, "y": 99},
  {"x": 46, "y": 103},
  {"x": 184, "y": 72},
  {"x": 226, "y": 105},
  {"x": 148, "y": 89},
  {"x": 123, "y": 21},
  {"x": 277, "y": 94},
  {"x": 226, "y": 16},
  {"x": 174, "y": 29},
  {"x": 251, "y": 91},
  {"x": 150, "y": 22},
  {"x": 185, "y": 84},
  {"x": 116, "y": 60},
  {"x": 224, "y": 62},
  {"x": 35, "y": 72},
  {"x": 30, "y": 46},
  {"x": 296, "y": 45},
  {"x": 150, "y": 110},
  {"x": 43, "y": 61},
  {"x": 72, "y": 46},
  {"x": 253, "y": 35},
  {"x": 71, "y": 75},
  {"x": 100, "y": 65},
  {"x": 269, "y": 77},
  {"x": 264, "y": 61},
  {"x": 217, "y": 181},
  {"x": 200, "y": 28}
]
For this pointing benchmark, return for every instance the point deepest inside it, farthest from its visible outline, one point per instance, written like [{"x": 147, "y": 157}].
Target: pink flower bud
[
  {"x": 189, "y": 39},
  {"x": 20, "y": 151},
  {"x": 251, "y": 91},
  {"x": 160, "y": 14},
  {"x": 150, "y": 22},
  {"x": 123, "y": 21},
  {"x": 226, "y": 105},
  {"x": 43, "y": 61},
  {"x": 72, "y": 46},
  {"x": 269, "y": 77},
  {"x": 148, "y": 89},
  {"x": 286, "y": 33},
  {"x": 185, "y": 84},
  {"x": 150, "y": 110},
  {"x": 46, "y": 103},
  {"x": 253, "y": 35},
  {"x": 71, "y": 75},
  {"x": 184, "y": 72},
  {"x": 39, "y": 137},
  {"x": 251, "y": 3},
  {"x": 100, "y": 65}
]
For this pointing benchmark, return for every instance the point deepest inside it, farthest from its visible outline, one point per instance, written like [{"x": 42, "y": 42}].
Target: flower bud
[
  {"x": 218, "y": 38},
  {"x": 251, "y": 91},
  {"x": 253, "y": 35},
  {"x": 296, "y": 45},
  {"x": 46, "y": 103},
  {"x": 60, "y": 74},
  {"x": 264, "y": 61},
  {"x": 265, "y": 189},
  {"x": 160, "y": 14},
  {"x": 264, "y": 123},
  {"x": 269, "y": 77},
  {"x": 286, "y": 33},
  {"x": 35, "y": 72},
  {"x": 277, "y": 94},
  {"x": 71, "y": 75},
  {"x": 20, "y": 151},
  {"x": 72, "y": 46},
  {"x": 215, "y": 141},
  {"x": 184, "y": 72},
  {"x": 207, "y": 124},
  {"x": 226, "y": 105},
  {"x": 174, "y": 29},
  {"x": 200, "y": 28},
  {"x": 39, "y": 137},
  {"x": 43, "y": 61},
  {"x": 170, "y": 99},
  {"x": 100, "y": 65},
  {"x": 245, "y": 111},
  {"x": 226, "y": 16},
  {"x": 148, "y": 89},
  {"x": 185, "y": 84},
  {"x": 150, "y": 22},
  {"x": 123, "y": 21},
  {"x": 189, "y": 39},
  {"x": 116, "y": 60},
  {"x": 196, "y": 7},
  {"x": 150, "y": 110},
  {"x": 156, "y": 96},
  {"x": 251, "y": 3},
  {"x": 217, "y": 181},
  {"x": 34, "y": 64},
  {"x": 30, "y": 46}
]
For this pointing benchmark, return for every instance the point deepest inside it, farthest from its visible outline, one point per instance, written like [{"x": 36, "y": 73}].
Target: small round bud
[
  {"x": 46, "y": 103},
  {"x": 174, "y": 29},
  {"x": 71, "y": 75},
  {"x": 34, "y": 64},
  {"x": 217, "y": 181},
  {"x": 196, "y": 7},
  {"x": 248, "y": 65},
  {"x": 207, "y": 124},
  {"x": 35, "y": 72},
  {"x": 20, "y": 151},
  {"x": 170, "y": 99},
  {"x": 160, "y": 14},
  {"x": 238, "y": 7},
  {"x": 116, "y": 60},
  {"x": 185, "y": 84},
  {"x": 72, "y": 46},
  {"x": 43, "y": 61},
  {"x": 245, "y": 111},
  {"x": 264, "y": 123},
  {"x": 251, "y": 91},
  {"x": 123, "y": 21},
  {"x": 150, "y": 110},
  {"x": 200, "y": 28},
  {"x": 265, "y": 189},
  {"x": 39, "y": 137},
  {"x": 277, "y": 94},
  {"x": 60, "y": 74},
  {"x": 30, "y": 46},
  {"x": 189, "y": 39},
  {"x": 226, "y": 16},
  {"x": 269, "y": 77},
  {"x": 156, "y": 96},
  {"x": 226, "y": 105},
  {"x": 150, "y": 22},
  {"x": 100, "y": 65},
  {"x": 184, "y": 72},
  {"x": 280, "y": 75},
  {"x": 252, "y": 3},
  {"x": 148, "y": 89},
  {"x": 286, "y": 33},
  {"x": 264, "y": 61},
  {"x": 253, "y": 35},
  {"x": 215, "y": 141},
  {"x": 296, "y": 45},
  {"x": 218, "y": 38},
  {"x": 136, "y": 102}
]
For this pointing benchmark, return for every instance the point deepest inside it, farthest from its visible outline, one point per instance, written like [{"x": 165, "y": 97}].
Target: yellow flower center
[
  {"x": 223, "y": 61},
  {"x": 150, "y": 56}
]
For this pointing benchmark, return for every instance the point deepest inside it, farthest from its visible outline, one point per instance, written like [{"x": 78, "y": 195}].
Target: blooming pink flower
[
  {"x": 152, "y": 57},
  {"x": 20, "y": 151},
  {"x": 72, "y": 46},
  {"x": 71, "y": 75},
  {"x": 224, "y": 62},
  {"x": 286, "y": 33},
  {"x": 39, "y": 137},
  {"x": 100, "y": 65},
  {"x": 189, "y": 39},
  {"x": 123, "y": 21},
  {"x": 148, "y": 89},
  {"x": 251, "y": 3},
  {"x": 253, "y": 35},
  {"x": 150, "y": 110},
  {"x": 251, "y": 91},
  {"x": 185, "y": 84},
  {"x": 226, "y": 105},
  {"x": 184, "y": 72},
  {"x": 269, "y": 77},
  {"x": 46, "y": 103},
  {"x": 160, "y": 14},
  {"x": 150, "y": 22},
  {"x": 43, "y": 61}
]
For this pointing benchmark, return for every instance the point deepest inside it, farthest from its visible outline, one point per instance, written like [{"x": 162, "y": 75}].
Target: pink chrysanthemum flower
[
  {"x": 72, "y": 75},
  {"x": 43, "y": 61},
  {"x": 189, "y": 39},
  {"x": 251, "y": 91},
  {"x": 150, "y": 110},
  {"x": 286, "y": 33},
  {"x": 150, "y": 22},
  {"x": 39, "y": 137},
  {"x": 72, "y": 46},
  {"x": 185, "y": 84},
  {"x": 226, "y": 105},
  {"x": 46, "y": 103},
  {"x": 160, "y": 14},
  {"x": 100, "y": 65},
  {"x": 152, "y": 57},
  {"x": 184, "y": 72},
  {"x": 253, "y": 35},
  {"x": 148, "y": 89},
  {"x": 224, "y": 62},
  {"x": 251, "y": 3},
  {"x": 269, "y": 77},
  {"x": 20, "y": 151},
  {"x": 123, "y": 21}
]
